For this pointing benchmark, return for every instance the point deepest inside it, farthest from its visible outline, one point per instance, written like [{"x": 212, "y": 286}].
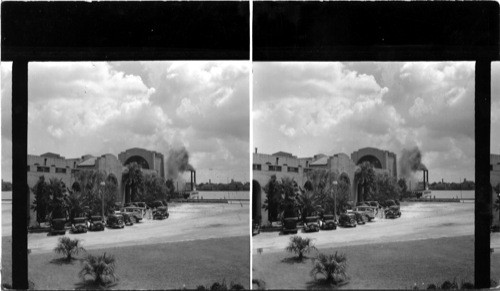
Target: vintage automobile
[
  {"x": 115, "y": 221},
  {"x": 136, "y": 213},
  {"x": 347, "y": 220},
  {"x": 96, "y": 223},
  {"x": 374, "y": 204},
  {"x": 360, "y": 217},
  {"x": 161, "y": 212},
  {"x": 289, "y": 225},
  {"x": 328, "y": 222},
  {"x": 393, "y": 212},
  {"x": 368, "y": 211},
  {"x": 255, "y": 227},
  {"x": 57, "y": 226},
  {"x": 311, "y": 224},
  {"x": 128, "y": 219},
  {"x": 79, "y": 225}
]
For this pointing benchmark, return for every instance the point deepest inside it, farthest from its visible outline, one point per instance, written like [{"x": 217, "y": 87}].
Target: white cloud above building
[
  {"x": 98, "y": 107},
  {"x": 342, "y": 107}
]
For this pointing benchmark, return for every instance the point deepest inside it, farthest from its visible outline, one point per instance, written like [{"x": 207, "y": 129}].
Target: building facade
[
  {"x": 51, "y": 165},
  {"x": 283, "y": 164}
]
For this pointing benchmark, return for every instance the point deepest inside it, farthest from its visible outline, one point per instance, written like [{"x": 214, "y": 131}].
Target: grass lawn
[
  {"x": 158, "y": 266},
  {"x": 380, "y": 266}
]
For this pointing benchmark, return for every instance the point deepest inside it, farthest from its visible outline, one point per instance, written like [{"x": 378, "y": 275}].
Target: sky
[
  {"x": 329, "y": 108},
  {"x": 98, "y": 107}
]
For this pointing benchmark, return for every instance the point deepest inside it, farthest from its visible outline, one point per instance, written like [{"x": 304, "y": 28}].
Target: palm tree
[
  {"x": 333, "y": 267},
  {"x": 290, "y": 192},
  {"x": 366, "y": 177},
  {"x": 100, "y": 268},
  {"x": 133, "y": 178},
  {"x": 68, "y": 247},
  {"x": 40, "y": 202},
  {"x": 496, "y": 205},
  {"x": 320, "y": 182},
  {"x": 300, "y": 246},
  {"x": 58, "y": 202},
  {"x": 308, "y": 203}
]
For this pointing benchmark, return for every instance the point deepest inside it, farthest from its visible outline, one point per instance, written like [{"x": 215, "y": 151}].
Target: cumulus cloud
[
  {"x": 98, "y": 107},
  {"x": 341, "y": 107}
]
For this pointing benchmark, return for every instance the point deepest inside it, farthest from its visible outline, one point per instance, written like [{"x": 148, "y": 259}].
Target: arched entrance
[
  {"x": 256, "y": 201},
  {"x": 372, "y": 160},
  {"x": 139, "y": 160}
]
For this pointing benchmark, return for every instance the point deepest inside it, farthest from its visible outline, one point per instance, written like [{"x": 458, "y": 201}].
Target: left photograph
[{"x": 138, "y": 175}]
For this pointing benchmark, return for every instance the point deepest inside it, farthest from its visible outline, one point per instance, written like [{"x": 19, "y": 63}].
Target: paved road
[
  {"x": 186, "y": 222},
  {"x": 418, "y": 221}
]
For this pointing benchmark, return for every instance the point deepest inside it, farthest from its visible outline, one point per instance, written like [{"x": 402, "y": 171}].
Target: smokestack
[
  {"x": 255, "y": 149},
  {"x": 194, "y": 180}
]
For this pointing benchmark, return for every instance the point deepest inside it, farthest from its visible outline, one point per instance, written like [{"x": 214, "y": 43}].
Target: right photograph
[{"x": 363, "y": 175}]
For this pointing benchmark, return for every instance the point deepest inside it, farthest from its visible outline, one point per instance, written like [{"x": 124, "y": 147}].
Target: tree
[
  {"x": 496, "y": 206},
  {"x": 154, "y": 188},
  {"x": 40, "y": 203},
  {"x": 91, "y": 191},
  {"x": 170, "y": 187},
  {"x": 366, "y": 177},
  {"x": 68, "y": 247},
  {"x": 300, "y": 246},
  {"x": 133, "y": 179},
  {"x": 100, "y": 268},
  {"x": 386, "y": 188},
  {"x": 308, "y": 204},
  {"x": 58, "y": 203},
  {"x": 333, "y": 267},
  {"x": 403, "y": 187},
  {"x": 342, "y": 193},
  {"x": 273, "y": 198}
]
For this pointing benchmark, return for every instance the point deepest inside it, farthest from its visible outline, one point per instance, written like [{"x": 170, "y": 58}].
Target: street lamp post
[
  {"x": 102, "y": 197},
  {"x": 335, "y": 200}
]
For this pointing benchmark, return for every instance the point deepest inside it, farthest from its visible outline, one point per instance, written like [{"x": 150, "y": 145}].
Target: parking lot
[
  {"x": 418, "y": 221},
  {"x": 186, "y": 222}
]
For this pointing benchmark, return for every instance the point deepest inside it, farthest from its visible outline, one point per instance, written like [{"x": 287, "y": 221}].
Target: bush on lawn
[
  {"x": 333, "y": 267},
  {"x": 448, "y": 285},
  {"x": 300, "y": 246},
  {"x": 221, "y": 286},
  {"x": 100, "y": 268},
  {"x": 68, "y": 247}
]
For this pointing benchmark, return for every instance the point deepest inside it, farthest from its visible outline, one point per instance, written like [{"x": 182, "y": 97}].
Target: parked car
[
  {"x": 57, "y": 226},
  {"x": 393, "y": 212},
  {"x": 360, "y": 217},
  {"x": 79, "y": 225},
  {"x": 96, "y": 223},
  {"x": 328, "y": 222},
  {"x": 136, "y": 213},
  {"x": 368, "y": 211},
  {"x": 374, "y": 204},
  {"x": 128, "y": 219},
  {"x": 290, "y": 225},
  {"x": 311, "y": 224},
  {"x": 255, "y": 228},
  {"x": 363, "y": 203},
  {"x": 347, "y": 220},
  {"x": 115, "y": 221},
  {"x": 161, "y": 212}
]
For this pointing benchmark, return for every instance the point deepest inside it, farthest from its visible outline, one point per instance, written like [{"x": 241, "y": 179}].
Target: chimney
[
  {"x": 255, "y": 149},
  {"x": 191, "y": 172},
  {"x": 195, "y": 180}
]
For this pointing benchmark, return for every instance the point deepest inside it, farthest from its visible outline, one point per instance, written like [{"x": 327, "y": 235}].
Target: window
[
  {"x": 293, "y": 169},
  {"x": 74, "y": 171},
  {"x": 257, "y": 167},
  {"x": 61, "y": 170},
  {"x": 275, "y": 168},
  {"x": 43, "y": 169}
]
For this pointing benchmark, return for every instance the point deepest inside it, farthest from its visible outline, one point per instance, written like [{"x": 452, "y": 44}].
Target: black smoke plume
[
  {"x": 411, "y": 161},
  {"x": 178, "y": 162}
]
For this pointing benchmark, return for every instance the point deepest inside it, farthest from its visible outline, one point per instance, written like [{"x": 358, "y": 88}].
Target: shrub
[
  {"x": 68, "y": 247},
  {"x": 222, "y": 286},
  {"x": 300, "y": 246},
  {"x": 101, "y": 268},
  {"x": 333, "y": 267}
]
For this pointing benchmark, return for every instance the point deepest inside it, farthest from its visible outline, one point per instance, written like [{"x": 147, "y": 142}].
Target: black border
[
  {"x": 282, "y": 31},
  {"x": 105, "y": 31},
  {"x": 396, "y": 31}
]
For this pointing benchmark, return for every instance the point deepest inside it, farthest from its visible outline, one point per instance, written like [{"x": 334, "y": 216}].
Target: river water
[{"x": 464, "y": 194}]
